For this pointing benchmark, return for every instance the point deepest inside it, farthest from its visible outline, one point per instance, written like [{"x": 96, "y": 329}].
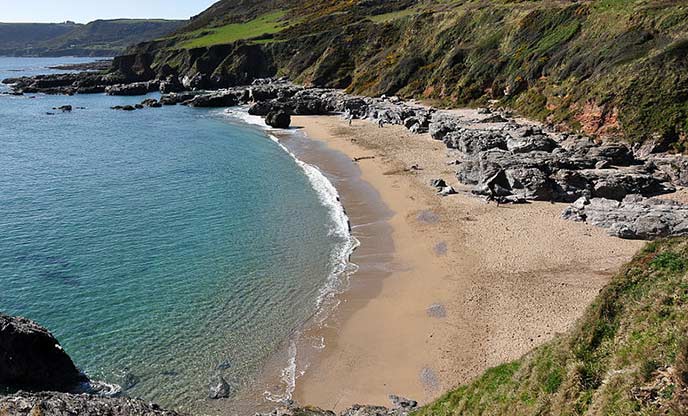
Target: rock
[
  {"x": 64, "y": 108},
  {"x": 402, "y": 403},
  {"x": 136, "y": 88},
  {"x": 603, "y": 164},
  {"x": 124, "y": 107},
  {"x": 674, "y": 166},
  {"x": 438, "y": 183},
  {"x": 64, "y": 404},
  {"x": 31, "y": 358},
  {"x": 225, "y": 98},
  {"x": 632, "y": 218},
  {"x": 471, "y": 142},
  {"x": 615, "y": 153},
  {"x": 497, "y": 118},
  {"x": 447, "y": 190},
  {"x": 536, "y": 143},
  {"x": 278, "y": 120},
  {"x": 219, "y": 389},
  {"x": 151, "y": 102}
]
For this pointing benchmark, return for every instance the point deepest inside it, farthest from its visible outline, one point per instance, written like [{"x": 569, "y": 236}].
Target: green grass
[
  {"x": 266, "y": 24},
  {"x": 612, "y": 363},
  {"x": 388, "y": 17}
]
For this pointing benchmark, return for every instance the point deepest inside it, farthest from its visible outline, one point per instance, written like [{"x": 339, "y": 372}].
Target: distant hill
[{"x": 98, "y": 38}]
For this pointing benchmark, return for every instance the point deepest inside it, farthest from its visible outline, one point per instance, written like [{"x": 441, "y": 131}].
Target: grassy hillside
[
  {"x": 613, "y": 68},
  {"x": 627, "y": 356},
  {"x": 98, "y": 38}
]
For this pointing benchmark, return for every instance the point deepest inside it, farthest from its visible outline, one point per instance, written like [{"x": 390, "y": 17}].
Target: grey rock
[
  {"x": 533, "y": 143},
  {"x": 402, "y": 402},
  {"x": 438, "y": 183},
  {"x": 63, "y": 404},
  {"x": 633, "y": 218},
  {"x": 219, "y": 389},
  {"x": 136, "y": 88}
]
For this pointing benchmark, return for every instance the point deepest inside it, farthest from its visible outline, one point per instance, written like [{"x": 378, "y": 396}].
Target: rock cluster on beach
[{"x": 498, "y": 157}]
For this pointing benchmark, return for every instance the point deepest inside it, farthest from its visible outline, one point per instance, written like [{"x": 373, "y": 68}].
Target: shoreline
[{"x": 437, "y": 318}]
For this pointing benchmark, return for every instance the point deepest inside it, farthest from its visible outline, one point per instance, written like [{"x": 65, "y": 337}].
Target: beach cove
[{"x": 468, "y": 285}]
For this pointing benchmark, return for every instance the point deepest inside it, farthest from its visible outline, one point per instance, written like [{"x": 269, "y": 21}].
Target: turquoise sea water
[{"x": 163, "y": 247}]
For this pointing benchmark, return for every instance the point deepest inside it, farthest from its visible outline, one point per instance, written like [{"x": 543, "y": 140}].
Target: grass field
[{"x": 264, "y": 25}]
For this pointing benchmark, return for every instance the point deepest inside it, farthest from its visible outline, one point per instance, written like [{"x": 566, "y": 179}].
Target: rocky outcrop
[
  {"x": 63, "y": 404},
  {"x": 278, "y": 120},
  {"x": 31, "y": 358},
  {"x": 135, "y": 88},
  {"x": 633, "y": 218}
]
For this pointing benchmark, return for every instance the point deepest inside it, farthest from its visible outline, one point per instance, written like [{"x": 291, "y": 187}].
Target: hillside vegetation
[
  {"x": 613, "y": 68},
  {"x": 627, "y": 356},
  {"x": 98, "y": 38}
]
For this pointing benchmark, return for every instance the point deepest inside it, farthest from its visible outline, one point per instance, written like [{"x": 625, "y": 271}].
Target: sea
[{"x": 164, "y": 248}]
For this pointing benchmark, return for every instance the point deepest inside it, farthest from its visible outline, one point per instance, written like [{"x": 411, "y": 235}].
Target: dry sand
[{"x": 465, "y": 285}]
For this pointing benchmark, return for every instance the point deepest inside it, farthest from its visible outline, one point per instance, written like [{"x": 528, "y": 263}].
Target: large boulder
[
  {"x": 633, "y": 218},
  {"x": 278, "y": 120},
  {"x": 64, "y": 404},
  {"x": 31, "y": 358}
]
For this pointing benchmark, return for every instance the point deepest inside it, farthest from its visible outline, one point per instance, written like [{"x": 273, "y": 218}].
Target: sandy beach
[{"x": 448, "y": 286}]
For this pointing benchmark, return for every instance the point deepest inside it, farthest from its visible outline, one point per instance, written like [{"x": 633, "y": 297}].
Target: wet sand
[{"x": 448, "y": 287}]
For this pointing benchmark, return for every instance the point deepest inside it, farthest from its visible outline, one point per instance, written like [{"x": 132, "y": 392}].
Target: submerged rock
[
  {"x": 219, "y": 389},
  {"x": 31, "y": 358}
]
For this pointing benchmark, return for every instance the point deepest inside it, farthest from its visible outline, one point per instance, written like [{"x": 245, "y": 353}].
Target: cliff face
[{"x": 608, "y": 68}]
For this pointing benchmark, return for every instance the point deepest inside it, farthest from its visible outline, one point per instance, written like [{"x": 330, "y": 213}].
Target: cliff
[{"x": 615, "y": 69}]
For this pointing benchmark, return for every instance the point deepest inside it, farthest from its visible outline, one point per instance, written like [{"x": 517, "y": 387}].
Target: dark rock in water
[
  {"x": 64, "y": 108},
  {"x": 151, "y": 102},
  {"x": 219, "y": 389},
  {"x": 278, "y": 120},
  {"x": 64, "y": 404},
  {"x": 634, "y": 218},
  {"x": 124, "y": 107},
  {"x": 31, "y": 358}
]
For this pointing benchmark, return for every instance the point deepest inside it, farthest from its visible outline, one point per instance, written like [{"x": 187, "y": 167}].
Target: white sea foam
[{"x": 338, "y": 279}]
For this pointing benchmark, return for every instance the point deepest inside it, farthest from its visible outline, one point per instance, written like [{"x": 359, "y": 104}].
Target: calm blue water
[{"x": 161, "y": 246}]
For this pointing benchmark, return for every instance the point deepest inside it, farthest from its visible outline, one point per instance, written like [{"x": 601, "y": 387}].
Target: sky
[{"x": 84, "y": 11}]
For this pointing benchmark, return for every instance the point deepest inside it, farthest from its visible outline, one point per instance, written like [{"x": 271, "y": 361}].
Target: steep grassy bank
[
  {"x": 614, "y": 68},
  {"x": 627, "y": 356}
]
